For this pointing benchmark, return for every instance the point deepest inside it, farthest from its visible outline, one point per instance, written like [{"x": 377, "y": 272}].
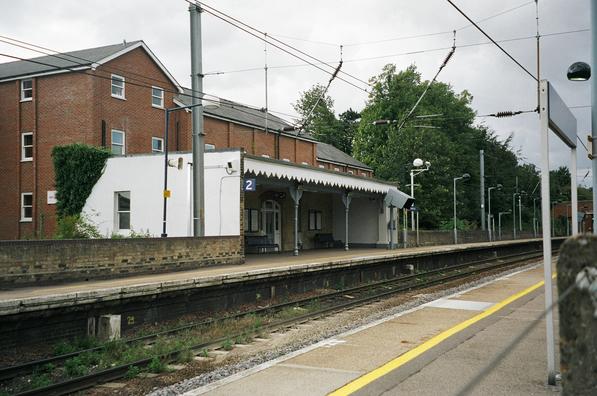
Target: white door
[{"x": 272, "y": 222}]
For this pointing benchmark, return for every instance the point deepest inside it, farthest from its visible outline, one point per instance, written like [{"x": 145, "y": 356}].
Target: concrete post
[
  {"x": 109, "y": 327},
  {"x": 578, "y": 317},
  {"x": 593, "y": 82},
  {"x": 391, "y": 227}
]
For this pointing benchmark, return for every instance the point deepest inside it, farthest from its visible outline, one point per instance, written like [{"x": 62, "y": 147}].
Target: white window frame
[
  {"x": 115, "y": 77},
  {"x": 24, "y": 158},
  {"x": 157, "y": 139},
  {"x": 23, "y": 207},
  {"x": 23, "y": 90},
  {"x": 118, "y": 144},
  {"x": 209, "y": 147},
  {"x": 161, "y": 97},
  {"x": 117, "y": 211}
]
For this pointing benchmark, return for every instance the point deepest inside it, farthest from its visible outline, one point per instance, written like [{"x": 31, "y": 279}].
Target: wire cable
[
  {"x": 247, "y": 29},
  {"x": 492, "y": 40}
]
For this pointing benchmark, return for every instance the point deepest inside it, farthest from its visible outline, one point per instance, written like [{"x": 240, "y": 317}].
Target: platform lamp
[
  {"x": 580, "y": 71},
  {"x": 500, "y": 214},
  {"x": 465, "y": 176},
  {"x": 417, "y": 163},
  {"x": 489, "y": 216},
  {"x": 209, "y": 102}
]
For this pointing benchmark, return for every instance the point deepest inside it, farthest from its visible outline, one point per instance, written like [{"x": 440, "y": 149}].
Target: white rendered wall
[
  {"x": 363, "y": 221},
  {"x": 143, "y": 176}
]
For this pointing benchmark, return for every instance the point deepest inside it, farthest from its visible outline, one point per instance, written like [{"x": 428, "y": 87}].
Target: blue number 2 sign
[{"x": 250, "y": 185}]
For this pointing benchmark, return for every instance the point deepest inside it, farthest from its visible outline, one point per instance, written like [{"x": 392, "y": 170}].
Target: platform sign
[
  {"x": 250, "y": 185},
  {"x": 561, "y": 119}
]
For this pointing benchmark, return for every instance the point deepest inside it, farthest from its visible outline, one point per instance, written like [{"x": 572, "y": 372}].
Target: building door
[{"x": 272, "y": 222}]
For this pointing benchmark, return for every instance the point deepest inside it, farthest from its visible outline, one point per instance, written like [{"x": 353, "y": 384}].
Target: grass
[
  {"x": 227, "y": 345},
  {"x": 132, "y": 372}
]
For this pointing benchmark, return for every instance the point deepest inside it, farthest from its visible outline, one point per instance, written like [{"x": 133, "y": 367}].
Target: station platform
[
  {"x": 38, "y": 298},
  {"x": 434, "y": 349}
]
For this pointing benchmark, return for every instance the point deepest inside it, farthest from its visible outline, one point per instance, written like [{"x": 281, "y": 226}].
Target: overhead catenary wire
[
  {"x": 276, "y": 43},
  {"x": 446, "y": 60},
  {"x": 416, "y": 52},
  {"x": 126, "y": 73},
  {"x": 492, "y": 40}
]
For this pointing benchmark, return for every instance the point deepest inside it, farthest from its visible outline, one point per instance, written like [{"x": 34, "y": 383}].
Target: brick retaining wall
[{"x": 54, "y": 261}]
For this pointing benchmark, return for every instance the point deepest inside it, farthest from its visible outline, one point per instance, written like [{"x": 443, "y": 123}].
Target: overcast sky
[{"x": 319, "y": 28}]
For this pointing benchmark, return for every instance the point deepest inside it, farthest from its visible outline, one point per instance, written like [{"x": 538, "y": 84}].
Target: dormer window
[
  {"x": 26, "y": 90},
  {"x": 117, "y": 86}
]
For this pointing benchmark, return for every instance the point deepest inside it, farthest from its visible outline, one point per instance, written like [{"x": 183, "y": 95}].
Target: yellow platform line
[{"x": 401, "y": 360}]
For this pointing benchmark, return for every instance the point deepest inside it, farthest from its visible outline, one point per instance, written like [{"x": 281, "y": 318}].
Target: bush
[
  {"x": 76, "y": 227},
  {"x": 77, "y": 167}
]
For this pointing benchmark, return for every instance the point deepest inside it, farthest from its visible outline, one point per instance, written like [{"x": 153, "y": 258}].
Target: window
[
  {"x": 26, "y": 207},
  {"x": 210, "y": 147},
  {"x": 123, "y": 210},
  {"x": 26, "y": 90},
  {"x": 117, "y": 86},
  {"x": 27, "y": 146},
  {"x": 251, "y": 220},
  {"x": 117, "y": 142},
  {"x": 314, "y": 220},
  {"x": 157, "y": 97},
  {"x": 157, "y": 145}
]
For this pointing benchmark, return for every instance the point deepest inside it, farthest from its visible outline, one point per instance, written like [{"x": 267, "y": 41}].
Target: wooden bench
[
  {"x": 325, "y": 240},
  {"x": 259, "y": 244}
]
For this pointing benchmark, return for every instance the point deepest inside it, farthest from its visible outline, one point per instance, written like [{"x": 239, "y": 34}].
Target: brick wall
[{"x": 45, "y": 262}]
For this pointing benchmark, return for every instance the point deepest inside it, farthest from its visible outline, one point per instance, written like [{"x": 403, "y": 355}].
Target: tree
[
  {"x": 317, "y": 115},
  {"x": 348, "y": 125}
]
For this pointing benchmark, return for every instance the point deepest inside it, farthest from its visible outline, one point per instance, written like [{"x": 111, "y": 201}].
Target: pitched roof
[
  {"x": 327, "y": 152},
  {"x": 74, "y": 60},
  {"x": 244, "y": 114}
]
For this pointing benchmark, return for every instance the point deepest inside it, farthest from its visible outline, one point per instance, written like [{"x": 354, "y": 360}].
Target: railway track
[{"x": 326, "y": 304}]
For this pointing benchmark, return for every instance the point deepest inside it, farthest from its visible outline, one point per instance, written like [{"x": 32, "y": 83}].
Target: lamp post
[
  {"x": 520, "y": 210},
  {"x": 465, "y": 176},
  {"x": 498, "y": 187},
  {"x": 214, "y": 103},
  {"x": 580, "y": 71},
  {"x": 514, "y": 214},
  {"x": 500, "y": 214},
  {"x": 417, "y": 163}
]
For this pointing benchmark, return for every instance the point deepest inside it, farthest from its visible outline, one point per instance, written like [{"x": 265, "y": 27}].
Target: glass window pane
[
  {"x": 28, "y": 152},
  {"x": 28, "y": 212},
  {"x": 156, "y": 144},
  {"x": 117, "y": 150},
  {"x": 27, "y": 140},
  {"x": 27, "y": 84},
  {"x": 117, "y": 137},
  {"x": 254, "y": 220},
  {"x": 124, "y": 201},
  {"x": 28, "y": 200},
  {"x": 124, "y": 221}
]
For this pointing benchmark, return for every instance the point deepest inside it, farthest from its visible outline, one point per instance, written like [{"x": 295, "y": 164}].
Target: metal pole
[
  {"x": 500, "y": 224},
  {"x": 514, "y": 215},
  {"x": 296, "y": 210},
  {"x": 417, "y": 228},
  {"x": 520, "y": 213},
  {"x": 594, "y": 109},
  {"x": 412, "y": 194},
  {"x": 405, "y": 216},
  {"x": 482, "y": 175},
  {"x": 574, "y": 191},
  {"x": 391, "y": 227},
  {"x": 198, "y": 145},
  {"x": 164, "y": 193},
  {"x": 544, "y": 131},
  {"x": 455, "y": 230},
  {"x": 489, "y": 211}
]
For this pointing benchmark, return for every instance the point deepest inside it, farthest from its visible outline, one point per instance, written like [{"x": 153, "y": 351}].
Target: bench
[
  {"x": 326, "y": 241},
  {"x": 259, "y": 244}
]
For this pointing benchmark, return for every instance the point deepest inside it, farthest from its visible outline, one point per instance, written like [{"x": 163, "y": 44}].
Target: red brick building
[{"x": 114, "y": 96}]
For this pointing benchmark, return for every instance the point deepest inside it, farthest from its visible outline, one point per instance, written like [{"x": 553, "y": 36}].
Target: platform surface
[
  {"x": 256, "y": 265},
  {"x": 428, "y": 366}
]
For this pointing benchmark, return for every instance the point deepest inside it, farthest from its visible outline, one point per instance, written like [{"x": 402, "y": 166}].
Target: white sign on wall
[{"x": 52, "y": 198}]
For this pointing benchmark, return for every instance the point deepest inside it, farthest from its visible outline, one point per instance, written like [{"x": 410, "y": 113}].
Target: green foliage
[
  {"x": 156, "y": 365},
  {"x": 76, "y": 227},
  {"x": 132, "y": 372},
  {"x": 77, "y": 167},
  {"x": 74, "y": 367},
  {"x": 227, "y": 345},
  {"x": 40, "y": 380},
  {"x": 185, "y": 355}
]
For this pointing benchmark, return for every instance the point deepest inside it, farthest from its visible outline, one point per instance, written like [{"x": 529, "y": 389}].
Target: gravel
[{"x": 301, "y": 337}]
